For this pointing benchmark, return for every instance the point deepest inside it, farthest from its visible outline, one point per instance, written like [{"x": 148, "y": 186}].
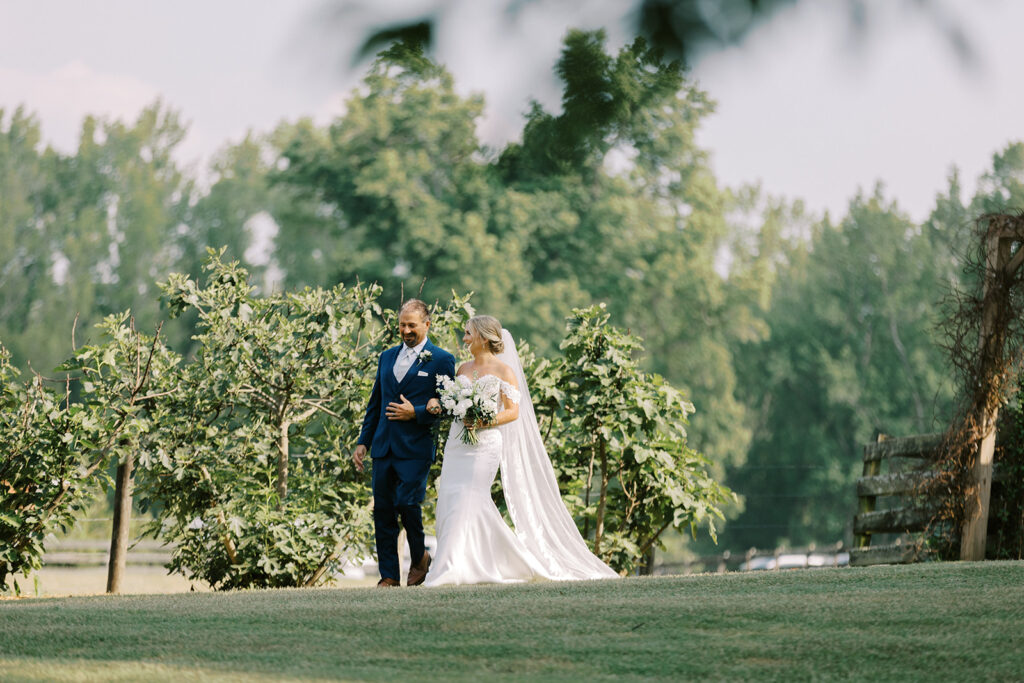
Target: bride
[{"x": 474, "y": 544}]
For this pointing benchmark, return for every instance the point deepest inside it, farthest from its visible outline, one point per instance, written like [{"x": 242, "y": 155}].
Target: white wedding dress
[{"x": 474, "y": 544}]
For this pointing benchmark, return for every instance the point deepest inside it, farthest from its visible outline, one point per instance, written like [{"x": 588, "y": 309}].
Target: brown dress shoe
[
  {"x": 418, "y": 572},
  {"x": 388, "y": 583}
]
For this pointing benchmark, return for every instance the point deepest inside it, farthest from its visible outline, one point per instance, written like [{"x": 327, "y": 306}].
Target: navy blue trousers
[{"x": 399, "y": 486}]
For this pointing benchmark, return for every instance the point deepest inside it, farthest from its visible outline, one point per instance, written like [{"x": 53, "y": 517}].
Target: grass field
[{"x": 951, "y": 621}]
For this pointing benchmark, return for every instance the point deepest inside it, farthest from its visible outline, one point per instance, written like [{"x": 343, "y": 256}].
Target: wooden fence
[
  {"x": 97, "y": 553},
  {"x": 908, "y": 464},
  {"x": 754, "y": 559}
]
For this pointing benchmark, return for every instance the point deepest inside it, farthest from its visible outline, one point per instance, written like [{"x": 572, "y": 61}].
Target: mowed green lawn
[{"x": 952, "y": 621}]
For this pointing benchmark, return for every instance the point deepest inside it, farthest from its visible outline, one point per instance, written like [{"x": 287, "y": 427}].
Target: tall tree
[
  {"x": 610, "y": 200},
  {"x": 31, "y": 272},
  {"x": 90, "y": 232},
  {"x": 399, "y": 189},
  {"x": 851, "y": 353},
  {"x": 634, "y": 217},
  {"x": 1001, "y": 189}
]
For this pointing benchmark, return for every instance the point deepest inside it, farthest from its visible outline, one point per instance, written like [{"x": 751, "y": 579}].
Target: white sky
[{"x": 800, "y": 110}]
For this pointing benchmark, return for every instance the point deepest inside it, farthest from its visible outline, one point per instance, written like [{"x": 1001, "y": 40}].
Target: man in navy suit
[{"x": 397, "y": 431}]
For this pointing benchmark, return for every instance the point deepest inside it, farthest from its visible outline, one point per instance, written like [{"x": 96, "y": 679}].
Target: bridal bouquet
[{"x": 468, "y": 401}]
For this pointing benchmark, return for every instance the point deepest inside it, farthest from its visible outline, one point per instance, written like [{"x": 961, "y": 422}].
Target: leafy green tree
[
  {"x": 1001, "y": 189},
  {"x": 42, "y": 482},
  {"x": 240, "y": 478},
  {"x": 88, "y": 232},
  {"x": 400, "y": 189},
  {"x": 950, "y": 228},
  {"x": 27, "y": 258},
  {"x": 115, "y": 376},
  {"x": 249, "y": 473},
  {"x": 851, "y": 353},
  {"x": 634, "y": 217},
  {"x": 57, "y": 451},
  {"x": 618, "y": 438}
]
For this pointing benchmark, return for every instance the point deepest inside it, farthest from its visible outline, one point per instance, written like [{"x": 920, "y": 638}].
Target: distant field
[{"x": 921, "y": 622}]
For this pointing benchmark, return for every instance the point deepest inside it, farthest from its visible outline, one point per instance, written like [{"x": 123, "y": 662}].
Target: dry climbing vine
[{"x": 987, "y": 370}]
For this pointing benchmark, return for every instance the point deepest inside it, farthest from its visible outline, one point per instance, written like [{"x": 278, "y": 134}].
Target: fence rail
[
  {"x": 94, "y": 553},
  {"x": 892, "y": 521},
  {"x": 836, "y": 555},
  {"x": 893, "y": 483},
  {"x": 918, "y": 446},
  {"x": 86, "y": 553},
  {"x": 909, "y": 516}
]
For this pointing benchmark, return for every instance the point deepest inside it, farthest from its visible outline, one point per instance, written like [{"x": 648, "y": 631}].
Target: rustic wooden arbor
[
  {"x": 1004, "y": 256},
  {"x": 1002, "y": 264}
]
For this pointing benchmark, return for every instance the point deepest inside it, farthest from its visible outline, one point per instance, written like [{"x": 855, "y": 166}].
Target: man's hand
[
  {"x": 357, "y": 457},
  {"x": 403, "y": 411}
]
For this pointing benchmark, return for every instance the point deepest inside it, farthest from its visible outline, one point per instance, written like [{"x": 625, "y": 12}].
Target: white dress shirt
[{"x": 406, "y": 357}]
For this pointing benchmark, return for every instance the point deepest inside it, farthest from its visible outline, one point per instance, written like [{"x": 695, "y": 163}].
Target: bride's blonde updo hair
[{"x": 489, "y": 330}]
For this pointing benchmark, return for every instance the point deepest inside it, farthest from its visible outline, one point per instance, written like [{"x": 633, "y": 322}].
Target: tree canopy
[{"x": 794, "y": 337}]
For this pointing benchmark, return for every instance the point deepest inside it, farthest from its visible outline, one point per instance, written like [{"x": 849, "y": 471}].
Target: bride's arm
[{"x": 510, "y": 405}]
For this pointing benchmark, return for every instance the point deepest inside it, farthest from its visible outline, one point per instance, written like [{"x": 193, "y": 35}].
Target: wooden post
[
  {"x": 867, "y": 503},
  {"x": 975, "y": 528},
  {"x": 122, "y": 517}
]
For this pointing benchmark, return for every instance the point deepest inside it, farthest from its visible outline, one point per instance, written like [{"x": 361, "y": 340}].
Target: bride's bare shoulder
[
  {"x": 505, "y": 372},
  {"x": 465, "y": 369}
]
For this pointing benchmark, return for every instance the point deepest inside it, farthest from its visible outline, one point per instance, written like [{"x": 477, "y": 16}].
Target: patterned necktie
[{"x": 404, "y": 362}]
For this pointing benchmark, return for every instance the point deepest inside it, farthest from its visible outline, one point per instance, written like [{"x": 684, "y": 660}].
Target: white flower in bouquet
[{"x": 469, "y": 402}]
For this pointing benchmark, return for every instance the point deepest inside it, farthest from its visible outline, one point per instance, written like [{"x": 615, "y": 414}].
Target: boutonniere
[{"x": 425, "y": 356}]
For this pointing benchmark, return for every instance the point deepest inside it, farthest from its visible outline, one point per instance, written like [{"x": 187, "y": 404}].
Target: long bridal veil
[{"x": 541, "y": 519}]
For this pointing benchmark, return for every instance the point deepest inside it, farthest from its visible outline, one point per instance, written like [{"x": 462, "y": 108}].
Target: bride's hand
[{"x": 434, "y": 406}]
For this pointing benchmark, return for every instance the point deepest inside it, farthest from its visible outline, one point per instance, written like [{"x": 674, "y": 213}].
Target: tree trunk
[
  {"x": 647, "y": 568},
  {"x": 282, "y": 464},
  {"x": 586, "y": 494},
  {"x": 603, "y": 501},
  {"x": 122, "y": 518}
]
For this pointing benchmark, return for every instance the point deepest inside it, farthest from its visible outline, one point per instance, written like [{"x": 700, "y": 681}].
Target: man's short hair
[{"x": 418, "y": 306}]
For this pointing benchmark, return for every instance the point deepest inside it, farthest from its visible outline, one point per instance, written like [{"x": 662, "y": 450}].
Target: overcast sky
[{"x": 803, "y": 109}]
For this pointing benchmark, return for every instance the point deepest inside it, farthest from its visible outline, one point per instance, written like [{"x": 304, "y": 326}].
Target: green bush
[{"x": 617, "y": 437}]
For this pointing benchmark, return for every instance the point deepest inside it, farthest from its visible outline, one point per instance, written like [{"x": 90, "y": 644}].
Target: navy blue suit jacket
[{"x": 406, "y": 440}]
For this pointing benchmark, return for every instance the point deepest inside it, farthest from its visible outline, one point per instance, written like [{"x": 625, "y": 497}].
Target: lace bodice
[{"x": 493, "y": 383}]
